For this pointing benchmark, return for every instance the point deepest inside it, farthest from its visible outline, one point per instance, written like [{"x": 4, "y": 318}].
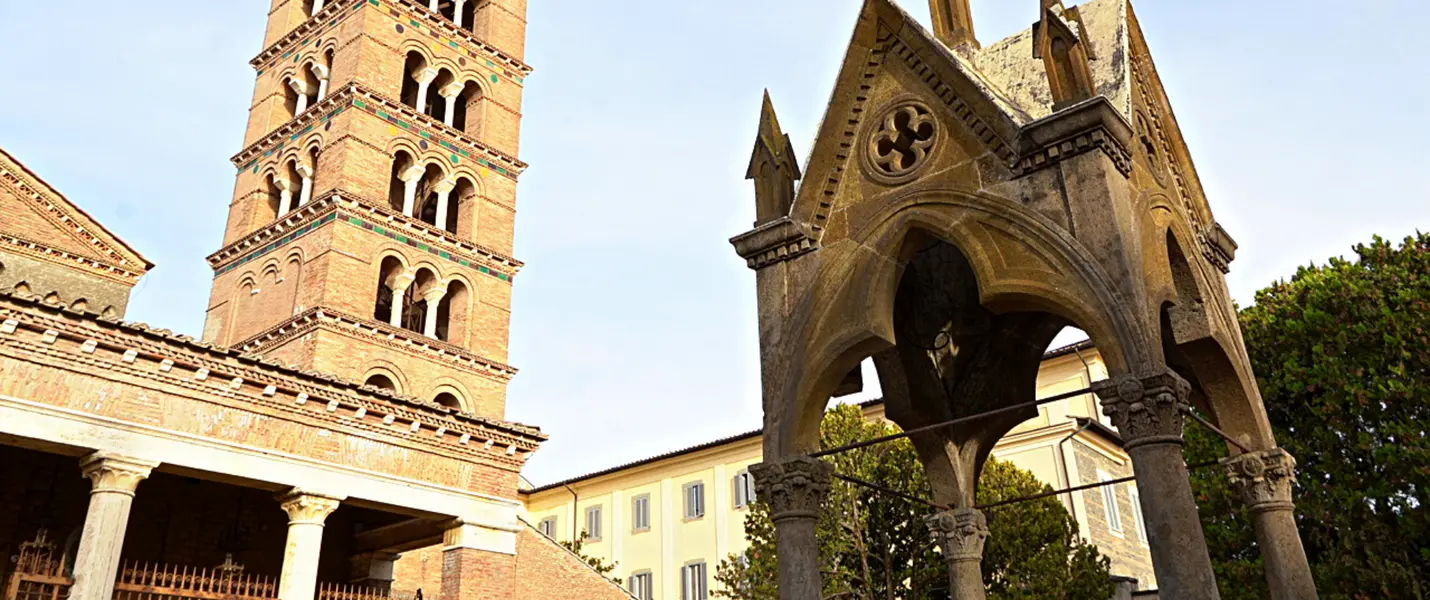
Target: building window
[
  {"x": 694, "y": 500},
  {"x": 1136, "y": 498},
  {"x": 547, "y": 527},
  {"x": 1109, "y": 503},
  {"x": 593, "y": 523},
  {"x": 642, "y": 586},
  {"x": 744, "y": 489},
  {"x": 692, "y": 582},
  {"x": 640, "y": 513}
]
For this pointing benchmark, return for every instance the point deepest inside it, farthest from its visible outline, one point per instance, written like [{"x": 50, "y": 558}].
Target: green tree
[
  {"x": 875, "y": 546},
  {"x": 598, "y": 565},
  {"x": 1342, "y": 354}
]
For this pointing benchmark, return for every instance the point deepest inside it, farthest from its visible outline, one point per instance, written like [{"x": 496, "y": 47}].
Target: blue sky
[{"x": 634, "y": 324}]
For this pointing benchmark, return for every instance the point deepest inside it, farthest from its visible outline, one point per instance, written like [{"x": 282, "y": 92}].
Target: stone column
[
  {"x": 444, "y": 192},
  {"x": 373, "y": 569},
  {"x": 285, "y": 196},
  {"x": 410, "y": 178},
  {"x": 1147, "y": 411},
  {"x": 306, "y": 513},
  {"x": 321, "y": 72},
  {"x": 457, "y": 13},
  {"x": 317, "y": 7},
  {"x": 305, "y": 190},
  {"x": 399, "y": 289},
  {"x": 301, "y": 87},
  {"x": 96, "y": 563},
  {"x": 433, "y": 297},
  {"x": 449, "y": 92},
  {"x": 795, "y": 487},
  {"x": 433, "y": 5},
  {"x": 1263, "y": 480},
  {"x": 960, "y": 533},
  {"x": 424, "y": 79}
]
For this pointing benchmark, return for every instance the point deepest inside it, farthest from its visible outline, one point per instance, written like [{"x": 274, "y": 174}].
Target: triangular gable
[
  {"x": 38, "y": 213},
  {"x": 885, "y": 33},
  {"x": 1184, "y": 172}
]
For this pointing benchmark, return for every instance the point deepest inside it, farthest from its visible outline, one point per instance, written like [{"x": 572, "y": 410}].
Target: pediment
[
  {"x": 891, "y": 57},
  {"x": 41, "y": 219}
]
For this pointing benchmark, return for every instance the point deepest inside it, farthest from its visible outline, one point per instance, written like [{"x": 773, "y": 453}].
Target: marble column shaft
[
  {"x": 1263, "y": 481},
  {"x": 961, "y": 534},
  {"x": 96, "y": 562},
  {"x": 795, "y": 488},
  {"x": 1147, "y": 411},
  {"x": 306, "y": 513}
]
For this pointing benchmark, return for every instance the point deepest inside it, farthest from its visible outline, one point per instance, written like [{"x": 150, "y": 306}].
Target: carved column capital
[
  {"x": 960, "y": 533},
  {"x": 1263, "y": 479},
  {"x": 115, "y": 473},
  {"x": 1146, "y": 409},
  {"x": 794, "y": 487},
  {"x": 306, "y": 507}
]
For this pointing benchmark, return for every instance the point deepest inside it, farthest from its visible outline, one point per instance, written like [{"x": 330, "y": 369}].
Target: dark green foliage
[
  {"x": 1342, "y": 354},
  {"x": 875, "y": 546}
]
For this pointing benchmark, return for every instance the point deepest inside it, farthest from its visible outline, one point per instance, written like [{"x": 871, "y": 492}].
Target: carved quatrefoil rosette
[{"x": 898, "y": 144}]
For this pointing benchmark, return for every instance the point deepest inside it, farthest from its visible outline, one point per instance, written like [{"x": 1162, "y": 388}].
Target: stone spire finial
[
  {"x": 773, "y": 167},
  {"x": 1058, "y": 39},
  {"x": 953, "y": 23}
]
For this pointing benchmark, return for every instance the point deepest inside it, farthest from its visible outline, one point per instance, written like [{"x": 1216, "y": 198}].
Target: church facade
[{"x": 338, "y": 432}]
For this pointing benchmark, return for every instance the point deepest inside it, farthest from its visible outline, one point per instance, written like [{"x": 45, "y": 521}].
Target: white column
[
  {"x": 285, "y": 196},
  {"x": 433, "y": 6},
  {"x": 399, "y": 289},
  {"x": 450, "y": 92},
  {"x": 410, "y": 177},
  {"x": 306, "y": 513},
  {"x": 321, "y": 72},
  {"x": 305, "y": 191},
  {"x": 457, "y": 13},
  {"x": 96, "y": 563},
  {"x": 301, "y": 87},
  {"x": 317, "y": 6},
  {"x": 424, "y": 79},
  {"x": 444, "y": 192},
  {"x": 433, "y": 297}
]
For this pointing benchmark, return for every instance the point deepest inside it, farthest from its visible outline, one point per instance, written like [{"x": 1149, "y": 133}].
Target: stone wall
[{"x": 69, "y": 285}]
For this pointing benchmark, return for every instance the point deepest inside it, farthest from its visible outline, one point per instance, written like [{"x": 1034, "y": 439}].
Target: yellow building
[{"x": 672, "y": 518}]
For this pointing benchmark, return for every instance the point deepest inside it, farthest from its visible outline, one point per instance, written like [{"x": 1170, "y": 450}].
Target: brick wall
[
  {"x": 1130, "y": 555},
  {"x": 546, "y": 571}
]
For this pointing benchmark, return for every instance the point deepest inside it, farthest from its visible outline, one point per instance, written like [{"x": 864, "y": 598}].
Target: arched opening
[
  {"x": 311, "y": 162},
  {"x": 469, "y": 14},
  {"x": 427, "y": 195},
  {"x": 467, "y": 114},
  {"x": 382, "y": 382},
  {"x": 275, "y": 197},
  {"x": 401, "y": 162},
  {"x": 462, "y": 209},
  {"x": 290, "y": 98},
  {"x": 415, "y": 63},
  {"x": 307, "y": 8},
  {"x": 449, "y": 400},
  {"x": 295, "y": 184},
  {"x": 452, "y": 314},
  {"x": 436, "y": 102},
  {"x": 448, "y": 9},
  {"x": 414, "y": 315},
  {"x": 311, "y": 84},
  {"x": 388, "y": 273}
]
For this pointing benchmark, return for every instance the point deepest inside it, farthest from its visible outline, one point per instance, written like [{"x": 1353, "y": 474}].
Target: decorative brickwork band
[
  {"x": 1146, "y": 409},
  {"x": 1263, "y": 479},
  {"x": 794, "y": 487},
  {"x": 111, "y": 473},
  {"x": 960, "y": 532}
]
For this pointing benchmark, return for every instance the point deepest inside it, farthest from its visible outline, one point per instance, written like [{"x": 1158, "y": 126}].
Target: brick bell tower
[{"x": 370, "y": 233}]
